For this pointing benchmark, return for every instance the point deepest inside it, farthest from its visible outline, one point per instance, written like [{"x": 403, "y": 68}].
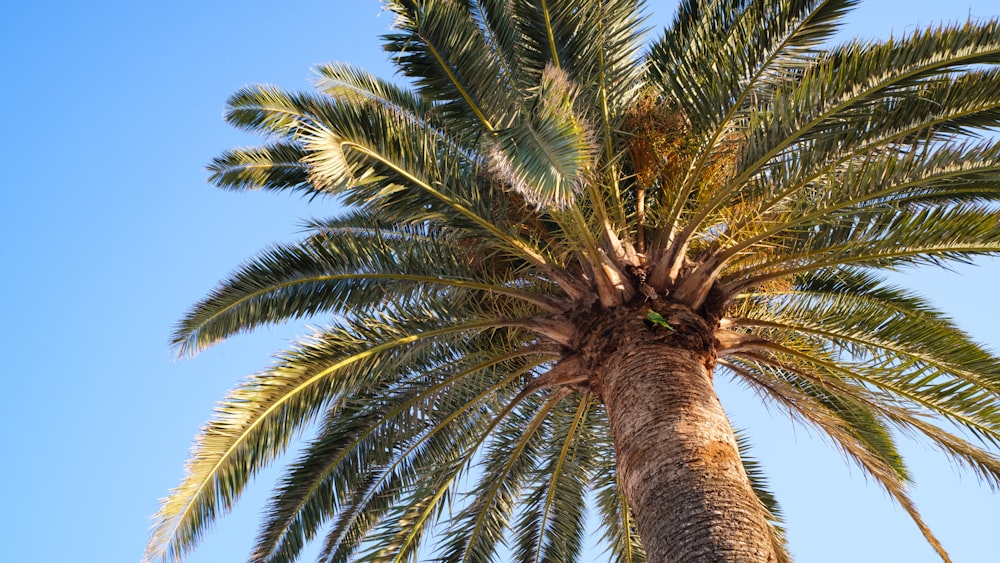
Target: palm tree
[{"x": 555, "y": 242}]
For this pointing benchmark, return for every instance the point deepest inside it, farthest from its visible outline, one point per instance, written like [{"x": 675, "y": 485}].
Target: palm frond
[
  {"x": 476, "y": 530},
  {"x": 617, "y": 524},
  {"x": 400, "y": 535},
  {"x": 884, "y": 182},
  {"x": 350, "y": 267},
  {"x": 879, "y": 239},
  {"x": 383, "y": 159},
  {"x": 851, "y": 77},
  {"x": 776, "y": 386},
  {"x": 718, "y": 54},
  {"x": 883, "y": 383},
  {"x": 839, "y": 88},
  {"x": 861, "y": 316},
  {"x": 256, "y": 422},
  {"x": 441, "y": 47},
  {"x": 551, "y": 526},
  {"x": 546, "y": 155},
  {"x": 760, "y": 487},
  {"x": 274, "y": 167},
  {"x": 348, "y": 475}
]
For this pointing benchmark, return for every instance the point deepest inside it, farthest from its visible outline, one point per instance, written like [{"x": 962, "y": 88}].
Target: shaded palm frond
[
  {"x": 274, "y": 167},
  {"x": 508, "y": 462},
  {"x": 785, "y": 389},
  {"x": 617, "y": 523},
  {"x": 348, "y": 474},
  {"x": 551, "y": 525}
]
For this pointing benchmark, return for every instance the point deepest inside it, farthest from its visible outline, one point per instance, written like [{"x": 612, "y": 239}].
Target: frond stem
[
  {"x": 457, "y": 83},
  {"x": 551, "y": 33}
]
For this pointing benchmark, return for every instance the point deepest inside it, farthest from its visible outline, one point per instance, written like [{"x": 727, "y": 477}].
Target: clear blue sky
[{"x": 109, "y": 233}]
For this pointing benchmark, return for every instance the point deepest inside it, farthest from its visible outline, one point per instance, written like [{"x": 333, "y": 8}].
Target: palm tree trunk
[{"x": 678, "y": 463}]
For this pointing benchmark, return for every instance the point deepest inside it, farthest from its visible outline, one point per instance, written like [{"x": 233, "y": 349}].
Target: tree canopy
[{"x": 550, "y": 189}]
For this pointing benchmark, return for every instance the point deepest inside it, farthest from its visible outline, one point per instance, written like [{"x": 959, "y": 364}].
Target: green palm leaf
[
  {"x": 551, "y": 526},
  {"x": 332, "y": 466},
  {"x": 617, "y": 521},
  {"x": 760, "y": 487},
  {"x": 546, "y": 155},
  {"x": 257, "y": 421},
  {"x": 350, "y": 261}
]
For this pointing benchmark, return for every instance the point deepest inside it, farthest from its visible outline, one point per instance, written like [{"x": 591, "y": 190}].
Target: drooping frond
[
  {"x": 348, "y": 463},
  {"x": 259, "y": 419},
  {"x": 617, "y": 523},
  {"x": 398, "y": 536},
  {"x": 790, "y": 389},
  {"x": 902, "y": 348},
  {"x": 476, "y": 530},
  {"x": 551, "y": 526}
]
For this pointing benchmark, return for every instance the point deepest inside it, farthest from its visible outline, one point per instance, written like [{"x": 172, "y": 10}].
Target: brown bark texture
[{"x": 678, "y": 462}]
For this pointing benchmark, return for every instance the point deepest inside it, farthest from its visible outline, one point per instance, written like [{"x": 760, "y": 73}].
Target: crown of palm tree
[{"x": 542, "y": 189}]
